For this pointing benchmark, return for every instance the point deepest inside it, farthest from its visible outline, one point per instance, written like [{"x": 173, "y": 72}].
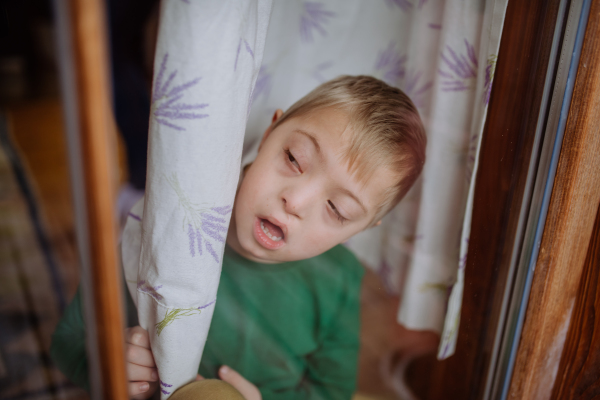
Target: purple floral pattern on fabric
[
  {"x": 489, "y": 78},
  {"x": 165, "y": 385},
  {"x": 314, "y": 18},
  {"x": 404, "y": 5},
  {"x": 247, "y": 48},
  {"x": 415, "y": 88},
  {"x": 435, "y": 26},
  {"x": 391, "y": 65},
  {"x": 136, "y": 217},
  {"x": 166, "y": 107},
  {"x": 263, "y": 84},
  {"x": 202, "y": 223},
  {"x": 207, "y": 305},
  {"x": 319, "y": 69},
  {"x": 145, "y": 287},
  {"x": 460, "y": 69}
]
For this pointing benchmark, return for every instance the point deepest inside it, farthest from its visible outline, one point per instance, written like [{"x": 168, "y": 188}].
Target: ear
[{"x": 276, "y": 116}]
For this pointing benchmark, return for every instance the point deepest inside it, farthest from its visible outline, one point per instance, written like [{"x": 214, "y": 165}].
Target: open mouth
[{"x": 268, "y": 234}]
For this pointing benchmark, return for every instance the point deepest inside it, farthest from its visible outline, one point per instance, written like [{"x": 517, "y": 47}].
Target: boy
[{"x": 287, "y": 318}]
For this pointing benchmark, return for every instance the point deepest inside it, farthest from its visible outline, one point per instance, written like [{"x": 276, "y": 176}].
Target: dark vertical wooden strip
[
  {"x": 579, "y": 370},
  {"x": 505, "y": 154},
  {"x": 98, "y": 148},
  {"x": 569, "y": 225}
]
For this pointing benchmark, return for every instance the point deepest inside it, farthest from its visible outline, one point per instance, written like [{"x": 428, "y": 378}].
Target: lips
[{"x": 268, "y": 234}]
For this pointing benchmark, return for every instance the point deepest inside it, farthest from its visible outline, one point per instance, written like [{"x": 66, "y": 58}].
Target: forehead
[{"x": 327, "y": 133}]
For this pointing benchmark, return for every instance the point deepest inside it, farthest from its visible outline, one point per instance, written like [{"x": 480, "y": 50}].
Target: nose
[{"x": 297, "y": 200}]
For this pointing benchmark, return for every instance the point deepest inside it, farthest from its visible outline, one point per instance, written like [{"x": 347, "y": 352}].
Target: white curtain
[
  {"x": 207, "y": 59},
  {"x": 442, "y": 53}
]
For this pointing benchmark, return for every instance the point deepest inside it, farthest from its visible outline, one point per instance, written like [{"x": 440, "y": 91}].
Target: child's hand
[
  {"x": 141, "y": 369},
  {"x": 247, "y": 389}
]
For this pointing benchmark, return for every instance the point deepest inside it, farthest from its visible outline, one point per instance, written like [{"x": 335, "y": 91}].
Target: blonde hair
[{"x": 386, "y": 129}]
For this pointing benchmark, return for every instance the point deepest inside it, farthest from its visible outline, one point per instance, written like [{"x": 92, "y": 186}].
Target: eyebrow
[
  {"x": 356, "y": 199},
  {"x": 312, "y": 138},
  {"x": 318, "y": 149}
]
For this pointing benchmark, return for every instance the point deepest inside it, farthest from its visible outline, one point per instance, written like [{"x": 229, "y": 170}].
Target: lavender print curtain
[
  {"x": 442, "y": 53},
  {"x": 207, "y": 59}
]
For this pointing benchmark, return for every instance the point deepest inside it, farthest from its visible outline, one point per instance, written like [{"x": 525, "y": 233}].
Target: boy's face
[{"x": 298, "y": 199}]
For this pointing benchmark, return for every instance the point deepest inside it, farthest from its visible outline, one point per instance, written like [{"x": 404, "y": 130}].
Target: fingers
[
  {"x": 140, "y": 364},
  {"x": 141, "y": 390},
  {"x": 139, "y": 355},
  {"x": 138, "y": 373},
  {"x": 247, "y": 389},
  {"x": 137, "y": 336}
]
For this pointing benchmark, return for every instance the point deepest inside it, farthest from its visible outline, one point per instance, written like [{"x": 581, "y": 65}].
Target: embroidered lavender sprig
[
  {"x": 391, "y": 65},
  {"x": 460, "y": 69},
  {"x": 490, "y": 69},
  {"x": 166, "y": 108},
  {"x": 207, "y": 305},
  {"x": 165, "y": 385},
  {"x": 414, "y": 88},
  {"x": 239, "y": 48},
  {"x": 263, "y": 84},
  {"x": 203, "y": 224},
  {"x": 314, "y": 18},
  {"x": 404, "y": 5},
  {"x": 173, "y": 315},
  {"x": 152, "y": 291},
  {"x": 319, "y": 69}
]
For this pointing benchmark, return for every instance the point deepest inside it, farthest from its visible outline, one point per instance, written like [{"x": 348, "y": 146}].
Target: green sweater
[{"x": 292, "y": 329}]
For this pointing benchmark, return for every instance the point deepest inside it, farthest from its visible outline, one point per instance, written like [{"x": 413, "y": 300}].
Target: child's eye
[
  {"x": 336, "y": 212},
  {"x": 292, "y": 159}
]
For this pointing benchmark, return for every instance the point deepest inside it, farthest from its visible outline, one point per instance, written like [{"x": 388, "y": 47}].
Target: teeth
[{"x": 266, "y": 231}]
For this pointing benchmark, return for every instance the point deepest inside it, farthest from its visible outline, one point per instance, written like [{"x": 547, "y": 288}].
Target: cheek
[{"x": 318, "y": 239}]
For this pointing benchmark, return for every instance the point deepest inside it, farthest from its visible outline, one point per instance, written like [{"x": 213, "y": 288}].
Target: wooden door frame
[
  {"x": 83, "y": 54},
  {"x": 567, "y": 234}
]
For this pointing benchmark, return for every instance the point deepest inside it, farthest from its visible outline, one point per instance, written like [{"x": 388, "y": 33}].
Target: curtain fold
[{"x": 208, "y": 56}]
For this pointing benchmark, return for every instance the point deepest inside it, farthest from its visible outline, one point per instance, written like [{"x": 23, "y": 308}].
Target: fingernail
[
  {"x": 154, "y": 376},
  {"x": 144, "y": 387},
  {"x": 224, "y": 369},
  {"x": 136, "y": 338}
]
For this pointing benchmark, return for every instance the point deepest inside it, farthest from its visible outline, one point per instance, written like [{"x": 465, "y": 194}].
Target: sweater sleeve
[{"x": 68, "y": 344}]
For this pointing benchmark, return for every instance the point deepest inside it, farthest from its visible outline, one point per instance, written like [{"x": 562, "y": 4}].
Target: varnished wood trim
[
  {"x": 505, "y": 154},
  {"x": 567, "y": 233},
  {"x": 578, "y": 377},
  {"x": 98, "y": 154}
]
